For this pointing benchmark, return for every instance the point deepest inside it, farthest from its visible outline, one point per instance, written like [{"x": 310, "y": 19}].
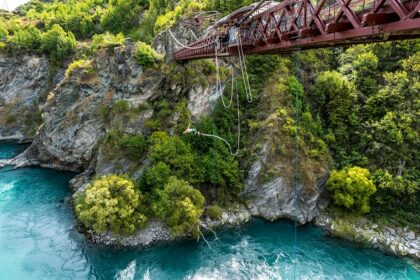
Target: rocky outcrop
[
  {"x": 157, "y": 232},
  {"x": 277, "y": 197},
  {"x": 274, "y": 187},
  {"x": 73, "y": 123},
  {"x": 236, "y": 216},
  {"x": 394, "y": 240},
  {"x": 23, "y": 82},
  {"x": 154, "y": 232}
]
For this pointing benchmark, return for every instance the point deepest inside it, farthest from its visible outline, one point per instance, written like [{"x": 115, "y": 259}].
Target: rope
[
  {"x": 297, "y": 174},
  {"x": 244, "y": 70},
  {"x": 195, "y": 132},
  {"x": 219, "y": 89},
  {"x": 187, "y": 47},
  {"x": 195, "y": 37}
]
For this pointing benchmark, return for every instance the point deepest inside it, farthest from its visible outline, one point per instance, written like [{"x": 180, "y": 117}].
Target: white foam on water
[
  {"x": 128, "y": 273},
  {"x": 237, "y": 269},
  {"x": 146, "y": 275},
  {"x": 4, "y": 187}
]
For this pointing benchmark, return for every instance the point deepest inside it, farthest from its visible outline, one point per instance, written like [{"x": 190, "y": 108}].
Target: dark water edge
[
  {"x": 10, "y": 149},
  {"x": 39, "y": 240}
]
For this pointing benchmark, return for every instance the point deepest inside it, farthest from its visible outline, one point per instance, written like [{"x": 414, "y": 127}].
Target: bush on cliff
[
  {"x": 58, "y": 43},
  {"x": 82, "y": 64},
  {"x": 25, "y": 38},
  {"x": 145, "y": 55},
  {"x": 351, "y": 188},
  {"x": 107, "y": 40},
  {"x": 180, "y": 206},
  {"x": 110, "y": 203}
]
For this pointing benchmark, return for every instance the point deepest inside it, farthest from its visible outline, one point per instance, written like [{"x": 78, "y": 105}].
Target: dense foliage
[
  {"x": 111, "y": 203},
  {"x": 180, "y": 206},
  {"x": 351, "y": 188}
]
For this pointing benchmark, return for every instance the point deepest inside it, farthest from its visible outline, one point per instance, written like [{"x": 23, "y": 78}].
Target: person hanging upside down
[{"x": 191, "y": 130}]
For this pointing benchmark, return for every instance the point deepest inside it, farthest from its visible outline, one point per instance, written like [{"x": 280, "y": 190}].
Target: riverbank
[{"x": 401, "y": 242}]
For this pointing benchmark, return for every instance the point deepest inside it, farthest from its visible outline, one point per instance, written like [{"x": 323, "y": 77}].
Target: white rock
[{"x": 411, "y": 235}]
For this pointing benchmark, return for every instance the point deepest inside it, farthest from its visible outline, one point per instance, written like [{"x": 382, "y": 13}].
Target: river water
[{"x": 38, "y": 240}]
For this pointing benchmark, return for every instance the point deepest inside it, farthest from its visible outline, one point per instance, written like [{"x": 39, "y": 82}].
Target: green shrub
[
  {"x": 26, "y": 38},
  {"x": 3, "y": 30},
  {"x": 58, "y": 43},
  {"x": 177, "y": 155},
  {"x": 121, "y": 15},
  {"x": 134, "y": 146},
  {"x": 155, "y": 177},
  {"x": 214, "y": 212},
  {"x": 110, "y": 203},
  {"x": 395, "y": 191},
  {"x": 180, "y": 206},
  {"x": 10, "y": 119},
  {"x": 351, "y": 188},
  {"x": 81, "y": 64},
  {"x": 107, "y": 40},
  {"x": 121, "y": 106},
  {"x": 145, "y": 55}
]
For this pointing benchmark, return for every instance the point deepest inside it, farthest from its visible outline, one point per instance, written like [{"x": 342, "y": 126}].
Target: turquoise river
[{"x": 38, "y": 240}]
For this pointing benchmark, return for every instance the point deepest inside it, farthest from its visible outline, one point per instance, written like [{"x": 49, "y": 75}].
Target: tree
[
  {"x": 335, "y": 102},
  {"x": 351, "y": 188},
  {"x": 155, "y": 177},
  {"x": 180, "y": 206},
  {"x": 177, "y": 155},
  {"x": 110, "y": 203}
]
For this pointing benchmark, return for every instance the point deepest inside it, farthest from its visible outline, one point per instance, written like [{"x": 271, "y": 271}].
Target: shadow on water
[{"x": 38, "y": 240}]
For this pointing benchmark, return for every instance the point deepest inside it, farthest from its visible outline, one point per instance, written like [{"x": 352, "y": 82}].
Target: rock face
[
  {"x": 73, "y": 123},
  {"x": 234, "y": 217},
  {"x": 23, "y": 82},
  {"x": 276, "y": 199},
  {"x": 393, "y": 240}
]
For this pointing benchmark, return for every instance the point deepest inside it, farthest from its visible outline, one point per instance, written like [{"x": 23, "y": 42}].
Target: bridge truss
[{"x": 306, "y": 24}]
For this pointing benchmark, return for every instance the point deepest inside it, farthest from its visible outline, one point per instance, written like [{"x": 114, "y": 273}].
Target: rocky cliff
[
  {"x": 82, "y": 110},
  {"x": 23, "y": 84}
]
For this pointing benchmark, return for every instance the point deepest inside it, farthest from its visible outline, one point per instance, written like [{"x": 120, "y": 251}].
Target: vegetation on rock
[
  {"x": 180, "y": 206},
  {"x": 351, "y": 188},
  {"x": 111, "y": 203}
]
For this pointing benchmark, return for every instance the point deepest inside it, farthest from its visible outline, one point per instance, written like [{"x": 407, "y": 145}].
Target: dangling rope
[
  {"x": 297, "y": 175},
  {"x": 244, "y": 69},
  {"x": 198, "y": 133},
  {"x": 219, "y": 87},
  {"x": 187, "y": 47}
]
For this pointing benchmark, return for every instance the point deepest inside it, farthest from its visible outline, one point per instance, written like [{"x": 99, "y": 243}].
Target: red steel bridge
[{"x": 271, "y": 27}]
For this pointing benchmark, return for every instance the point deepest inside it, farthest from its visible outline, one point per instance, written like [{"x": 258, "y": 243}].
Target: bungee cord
[
  {"x": 244, "y": 69},
  {"x": 194, "y": 131},
  {"x": 220, "y": 90},
  {"x": 219, "y": 87}
]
